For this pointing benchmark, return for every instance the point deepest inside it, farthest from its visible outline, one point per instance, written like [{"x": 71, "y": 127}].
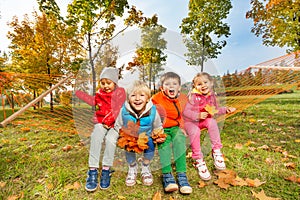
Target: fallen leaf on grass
[
  {"x": 239, "y": 182},
  {"x": 290, "y": 165},
  {"x": 121, "y": 197},
  {"x": 67, "y": 148},
  {"x": 225, "y": 178},
  {"x": 157, "y": 196},
  {"x": 264, "y": 147},
  {"x": 201, "y": 184},
  {"x": 262, "y": 196},
  {"x": 293, "y": 179},
  {"x": 297, "y": 140},
  {"x": 238, "y": 146},
  {"x": 254, "y": 183},
  {"x": 14, "y": 197},
  {"x": 252, "y": 148},
  {"x": 25, "y": 129},
  {"x": 23, "y": 139},
  {"x": 222, "y": 183},
  {"x": 75, "y": 186},
  {"x": 269, "y": 161},
  {"x": 2, "y": 184},
  {"x": 53, "y": 146}
]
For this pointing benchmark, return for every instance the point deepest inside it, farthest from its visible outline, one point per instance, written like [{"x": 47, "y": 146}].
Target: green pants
[{"x": 176, "y": 143}]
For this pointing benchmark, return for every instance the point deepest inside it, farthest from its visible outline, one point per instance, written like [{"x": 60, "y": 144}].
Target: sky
[{"x": 243, "y": 48}]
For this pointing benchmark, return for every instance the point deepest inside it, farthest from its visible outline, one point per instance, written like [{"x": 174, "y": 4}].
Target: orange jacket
[{"x": 170, "y": 110}]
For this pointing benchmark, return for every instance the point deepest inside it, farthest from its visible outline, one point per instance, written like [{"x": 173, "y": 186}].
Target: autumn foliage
[{"x": 131, "y": 140}]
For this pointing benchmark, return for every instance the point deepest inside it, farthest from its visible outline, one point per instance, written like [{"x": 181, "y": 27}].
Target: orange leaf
[
  {"x": 201, "y": 184},
  {"x": 75, "y": 186},
  {"x": 290, "y": 165},
  {"x": 157, "y": 196},
  {"x": 262, "y": 196},
  {"x": 239, "y": 182},
  {"x": 67, "y": 148},
  {"x": 293, "y": 179},
  {"x": 2, "y": 184},
  {"x": 23, "y": 139},
  {"x": 254, "y": 183},
  {"x": 142, "y": 141},
  {"x": 222, "y": 183},
  {"x": 158, "y": 134}
]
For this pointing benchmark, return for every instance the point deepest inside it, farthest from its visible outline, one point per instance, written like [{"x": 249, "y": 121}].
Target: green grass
[{"x": 34, "y": 166}]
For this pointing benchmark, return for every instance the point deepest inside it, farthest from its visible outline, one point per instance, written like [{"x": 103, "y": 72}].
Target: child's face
[
  {"x": 171, "y": 87},
  {"x": 138, "y": 101},
  {"x": 203, "y": 85},
  {"x": 107, "y": 85}
]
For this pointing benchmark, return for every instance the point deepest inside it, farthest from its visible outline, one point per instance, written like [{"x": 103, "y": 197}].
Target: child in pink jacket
[{"x": 199, "y": 114}]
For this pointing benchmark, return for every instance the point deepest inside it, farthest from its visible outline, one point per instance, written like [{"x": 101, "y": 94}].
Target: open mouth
[
  {"x": 172, "y": 92},
  {"x": 138, "y": 103}
]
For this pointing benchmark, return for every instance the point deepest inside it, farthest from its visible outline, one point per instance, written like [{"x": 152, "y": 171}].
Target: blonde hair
[
  {"x": 201, "y": 74},
  {"x": 139, "y": 86}
]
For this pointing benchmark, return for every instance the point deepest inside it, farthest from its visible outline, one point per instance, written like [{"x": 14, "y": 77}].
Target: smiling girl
[{"x": 199, "y": 114}]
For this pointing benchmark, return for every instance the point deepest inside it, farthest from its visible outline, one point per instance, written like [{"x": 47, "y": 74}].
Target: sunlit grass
[{"x": 33, "y": 164}]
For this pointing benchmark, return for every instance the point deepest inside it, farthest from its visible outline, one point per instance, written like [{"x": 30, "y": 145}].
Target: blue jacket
[{"x": 146, "y": 120}]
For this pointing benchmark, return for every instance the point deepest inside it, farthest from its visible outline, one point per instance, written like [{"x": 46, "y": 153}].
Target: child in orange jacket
[{"x": 170, "y": 105}]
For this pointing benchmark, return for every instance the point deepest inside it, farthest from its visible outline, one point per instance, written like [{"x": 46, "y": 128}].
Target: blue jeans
[{"x": 148, "y": 153}]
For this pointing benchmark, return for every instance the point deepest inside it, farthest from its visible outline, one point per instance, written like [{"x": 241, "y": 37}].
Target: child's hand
[
  {"x": 230, "y": 110},
  {"x": 184, "y": 132},
  {"x": 105, "y": 126},
  {"x": 160, "y": 140},
  {"x": 203, "y": 115}
]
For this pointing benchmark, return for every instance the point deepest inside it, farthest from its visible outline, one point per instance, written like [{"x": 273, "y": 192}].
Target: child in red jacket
[{"x": 109, "y": 100}]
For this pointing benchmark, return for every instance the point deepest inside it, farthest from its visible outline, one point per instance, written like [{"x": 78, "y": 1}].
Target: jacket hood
[{"x": 147, "y": 109}]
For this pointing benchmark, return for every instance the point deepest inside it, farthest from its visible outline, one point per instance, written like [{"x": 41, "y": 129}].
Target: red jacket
[
  {"x": 109, "y": 104},
  {"x": 170, "y": 110}
]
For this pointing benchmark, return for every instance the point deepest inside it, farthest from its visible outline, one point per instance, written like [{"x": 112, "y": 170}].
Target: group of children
[{"x": 175, "y": 114}]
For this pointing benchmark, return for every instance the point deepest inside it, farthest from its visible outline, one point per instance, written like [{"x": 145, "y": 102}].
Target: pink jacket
[
  {"x": 196, "y": 104},
  {"x": 108, "y": 104}
]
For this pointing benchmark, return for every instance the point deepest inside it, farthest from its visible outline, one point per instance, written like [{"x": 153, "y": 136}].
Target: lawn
[{"x": 261, "y": 145}]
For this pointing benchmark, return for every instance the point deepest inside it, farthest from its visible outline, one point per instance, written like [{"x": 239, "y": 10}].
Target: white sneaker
[
  {"x": 147, "y": 177},
  {"x": 202, "y": 169},
  {"x": 131, "y": 176},
  {"x": 219, "y": 161}
]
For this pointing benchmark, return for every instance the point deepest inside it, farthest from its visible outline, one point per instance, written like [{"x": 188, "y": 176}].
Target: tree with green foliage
[
  {"x": 95, "y": 22},
  {"x": 277, "y": 22},
  {"x": 150, "y": 57},
  {"x": 203, "y": 29}
]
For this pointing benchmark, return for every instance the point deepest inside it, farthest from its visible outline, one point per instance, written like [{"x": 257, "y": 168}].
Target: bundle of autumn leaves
[{"x": 131, "y": 140}]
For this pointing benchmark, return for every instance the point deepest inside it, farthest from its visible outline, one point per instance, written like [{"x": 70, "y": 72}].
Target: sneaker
[
  {"x": 169, "y": 183},
  {"x": 105, "y": 179},
  {"x": 147, "y": 177},
  {"x": 202, "y": 169},
  {"x": 219, "y": 161},
  {"x": 91, "y": 181},
  {"x": 183, "y": 183},
  {"x": 131, "y": 176}
]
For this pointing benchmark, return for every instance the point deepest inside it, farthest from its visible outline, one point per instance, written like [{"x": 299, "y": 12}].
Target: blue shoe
[
  {"x": 184, "y": 186},
  {"x": 169, "y": 183},
  {"x": 105, "y": 179},
  {"x": 92, "y": 180}
]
